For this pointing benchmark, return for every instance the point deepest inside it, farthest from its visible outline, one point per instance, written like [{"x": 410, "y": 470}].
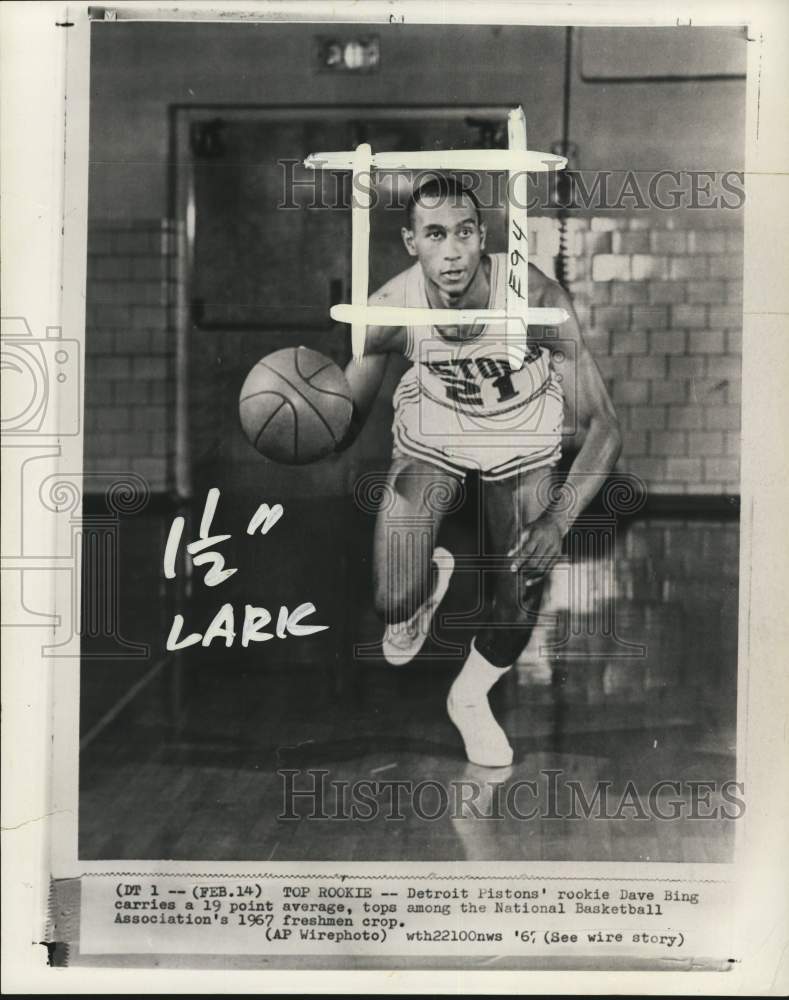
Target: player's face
[{"x": 448, "y": 239}]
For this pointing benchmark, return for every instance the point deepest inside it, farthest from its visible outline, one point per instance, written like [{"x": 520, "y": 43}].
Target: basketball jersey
[
  {"x": 463, "y": 405},
  {"x": 474, "y": 376}
]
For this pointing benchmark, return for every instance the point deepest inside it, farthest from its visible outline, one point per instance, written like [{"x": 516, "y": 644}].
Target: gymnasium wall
[
  {"x": 139, "y": 70},
  {"x": 661, "y": 309},
  {"x": 659, "y": 293},
  {"x": 662, "y": 312},
  {"x": 130, "y": 351}
]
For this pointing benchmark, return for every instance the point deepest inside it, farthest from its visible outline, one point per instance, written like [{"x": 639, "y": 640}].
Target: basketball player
[{"x": 461, "y": 383}]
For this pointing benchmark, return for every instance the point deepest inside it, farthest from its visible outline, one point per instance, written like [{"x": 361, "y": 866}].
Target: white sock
[
  {"x": 476, "y": 678},
  {"x": 485, "y": 741}
]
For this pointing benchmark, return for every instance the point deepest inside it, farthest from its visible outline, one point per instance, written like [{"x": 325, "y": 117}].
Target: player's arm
[
  {"x": 596, "y": 434},
  {"x": 365, "y": 376}
]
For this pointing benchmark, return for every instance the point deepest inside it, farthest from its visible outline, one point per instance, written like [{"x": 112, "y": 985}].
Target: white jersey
[{"x": 463, "y": 406}]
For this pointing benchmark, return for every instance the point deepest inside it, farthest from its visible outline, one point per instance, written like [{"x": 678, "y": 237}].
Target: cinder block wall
[
  {"x": 658, "y": 298},
  {"x": 130, "y": 350},
  {"x": 660, "y": 302}
]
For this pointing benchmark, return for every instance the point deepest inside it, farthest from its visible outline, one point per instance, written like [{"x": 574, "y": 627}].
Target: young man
[{"x": 462, "y": 406}]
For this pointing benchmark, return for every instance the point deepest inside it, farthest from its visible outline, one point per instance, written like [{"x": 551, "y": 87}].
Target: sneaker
[{"x": 403, "y": 640}]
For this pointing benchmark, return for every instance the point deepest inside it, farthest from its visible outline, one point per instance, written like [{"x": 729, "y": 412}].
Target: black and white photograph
[
  {"x": 459, "y": 570},
  {"x": 400, "y": 579}
]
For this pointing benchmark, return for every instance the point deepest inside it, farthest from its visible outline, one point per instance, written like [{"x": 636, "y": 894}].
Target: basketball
[{"x": 295, "y": 406}]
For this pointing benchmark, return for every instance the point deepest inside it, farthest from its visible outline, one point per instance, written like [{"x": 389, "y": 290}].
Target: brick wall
[
  {"x": 129, "y": 366},
  {"x": 659, "y": 300}
]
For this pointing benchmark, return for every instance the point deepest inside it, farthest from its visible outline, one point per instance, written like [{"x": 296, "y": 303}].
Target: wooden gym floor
[{"x": 190, "y": 768}]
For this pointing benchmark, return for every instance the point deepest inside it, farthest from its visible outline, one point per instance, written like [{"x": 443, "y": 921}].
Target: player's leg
[
  {"x": 410, "y": 575},
  {"x": 510, "y": 505}
]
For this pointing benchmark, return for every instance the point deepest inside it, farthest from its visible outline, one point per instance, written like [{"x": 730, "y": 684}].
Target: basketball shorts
[{"x": 495, "y": 446}]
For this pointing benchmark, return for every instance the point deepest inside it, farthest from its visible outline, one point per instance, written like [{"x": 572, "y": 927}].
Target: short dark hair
[{"x": 441, "y": 186}]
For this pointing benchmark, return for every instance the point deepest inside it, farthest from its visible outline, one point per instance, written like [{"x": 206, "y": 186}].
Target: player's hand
[
  {"x": 351, "y": 434},
  {"x": 538, "y": 548}
]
